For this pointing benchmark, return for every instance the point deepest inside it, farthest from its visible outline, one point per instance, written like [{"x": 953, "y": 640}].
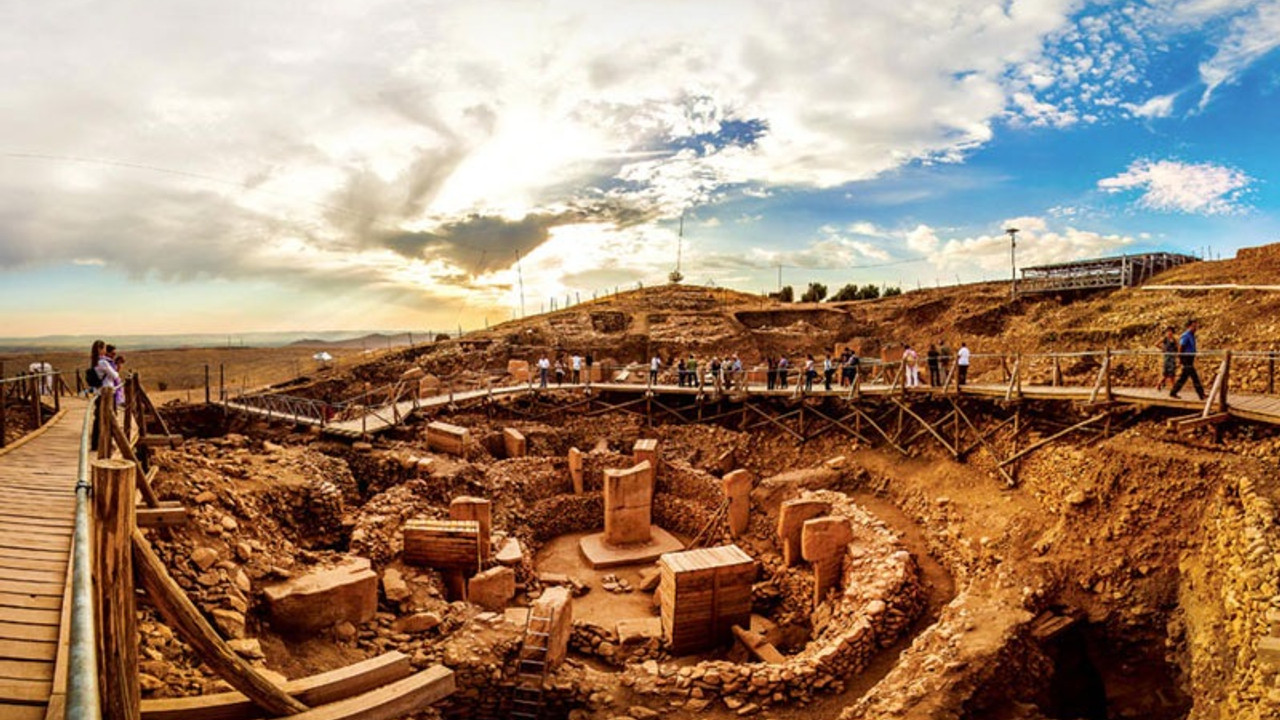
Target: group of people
[
  {"x": 937, "y": 360},
  {"x": 575, "y": 364},
  {"x": 1180, "y": 351},
  {"x": 105, "y": 370}
]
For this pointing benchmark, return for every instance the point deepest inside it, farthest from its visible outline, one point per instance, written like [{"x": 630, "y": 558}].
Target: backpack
[{"x": 92, "y": 379}]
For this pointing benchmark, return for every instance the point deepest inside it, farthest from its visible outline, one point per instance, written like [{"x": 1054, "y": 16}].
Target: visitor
[
  {"x": 654, "y": 365},
  {"x": 559, "y": 372},
  {"x": 739, "y": 377},
  {"x": 809, "y": 373},
  {"x": 692, "y": 367},
  {"x": 962, "y": 364},
  {"x": 828, "y": 372},
  {"x": 118, "y": 361},
  {"x": 544, "y": 366},
  {"x": 588, "y": 360},
  {"x": 715, "y": 374},
  {"x": 770, "y": 372},
  {"x": 850, "y": 368},
  {"x": 782, "y": 372},
  {"x": 1169, "y": 347},
  {"x": 575, "y": 366},
  {"x": 105, "y": 370},
  {"x": 931, "y": 360},
  {"x": 910, "y": 369},
  {"x": 1187, "y": 356}
]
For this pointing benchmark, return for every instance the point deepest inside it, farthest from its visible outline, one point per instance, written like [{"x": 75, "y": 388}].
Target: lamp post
[{"x": 1013, "y": 265}]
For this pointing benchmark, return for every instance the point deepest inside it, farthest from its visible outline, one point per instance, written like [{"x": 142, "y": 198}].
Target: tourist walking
[
  {"x": 544, "y": 366},
  {"x": 910, "y": 367},
  {"x": 1187, "y": 356},
  {"x": 850, "y": 367},
  {"x": 1169, "y": 347},
  {"x": 962, "y": 364},
  {"x": 931, "y": 360},
  {"x": 575, "y": 365}
]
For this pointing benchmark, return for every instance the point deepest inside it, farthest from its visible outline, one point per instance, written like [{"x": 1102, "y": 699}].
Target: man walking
[
  {"x": 575, "y": 363},
  {"x": 1187, "y": 356},
  {"x": 962, "y": 364}
]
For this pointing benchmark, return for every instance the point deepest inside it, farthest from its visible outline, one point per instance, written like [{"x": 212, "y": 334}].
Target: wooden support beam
[
  {"x": 937, "y": 436},
  {"x": 169, "y": 514},
  {"x": 113, "y": 575},
  {"x": 924, "y": 430},
  {"x": 1219, "y": 390},
  {"x": 1195, "y": 421},
  {"x": 880, "y": 430},
  {"x": 181, "y": 614},
  {"x": 984, "y": 435},
  {"x": 841, "y": 423},
  {"x": 1037, "y": 445},
  {"x": 778, "y": 423},
  {"x": 314, "y": 690},
  {"x": 1015, "y": 381},
  {"x": 159, "y": 440},
  {"x": 985, "y": 445},
  {"x": 126, "y": 450},
  {"x": 399, "y": 699}
]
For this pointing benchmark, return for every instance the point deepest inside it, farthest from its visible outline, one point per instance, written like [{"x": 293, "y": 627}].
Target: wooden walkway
[
  {"x": 37, "y": 509},
  {"x": 1253, "y": 407}
]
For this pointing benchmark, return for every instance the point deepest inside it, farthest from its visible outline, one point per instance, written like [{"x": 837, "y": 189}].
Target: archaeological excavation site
[{"x": 1042, "y": 535}]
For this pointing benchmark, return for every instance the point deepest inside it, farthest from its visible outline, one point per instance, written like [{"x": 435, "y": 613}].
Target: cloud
[
  {"x": 1173, "y": 186},
  {"x": 1252, "y": 34},
  {"x": 1039, "y": 243},
  {"x": 1160, "y": 106}
]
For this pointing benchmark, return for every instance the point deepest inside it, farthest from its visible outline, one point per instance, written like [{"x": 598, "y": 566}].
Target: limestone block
[
  {"x": 308, "y": 603},
  {"x": 737, "y": 489},
  {"x": 394, "y": 587},
  {"x": 575, "y": 469},
  {"x": 428, "y": 386},
  {"x": 478, "y": 509},
  {"x": 493, "y": 588},
  {"x": 628, "y": 501},
  {"x": 646, "y": 449},
  {"x": 639, "y": 630},
  {"x": 518, "y": 370},
  {"x": 514, "y": 443},
  {"x": 1268, "y": 652},
  {"x": 446, "y": 438},
  {"x": 791, "y": 519},
  {"x": 413, "y": 373},
  {"x": 509, "y": 552},
  {"x": 824, "y": 543},
  {"x": 556, "y": 603}
]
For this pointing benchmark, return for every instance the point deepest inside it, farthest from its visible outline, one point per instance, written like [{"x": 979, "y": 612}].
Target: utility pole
[{"x": 1013, "y": 264}]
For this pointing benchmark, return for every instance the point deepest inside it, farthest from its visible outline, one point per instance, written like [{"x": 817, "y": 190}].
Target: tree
[
  {"x": 786, "y": 294},
  {"x": 869, "y": 292},
  {"x": 891, "y": 291},
  {"x": 846, "y": 293},
  {"x": 815, "y": 293}
]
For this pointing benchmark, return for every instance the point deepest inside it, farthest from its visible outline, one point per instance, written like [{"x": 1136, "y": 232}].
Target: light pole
[{"x": 1013, "y": 265}]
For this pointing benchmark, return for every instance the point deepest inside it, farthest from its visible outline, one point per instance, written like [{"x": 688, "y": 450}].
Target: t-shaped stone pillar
[
  {"x": 479, "y": 510},
  {"x": 791, "y": 520},
  {"x": 824, "y": 543},
  {"x": 628, "y": 500},
  {"x": 575, "y": 469},
  {"x": 737, "y": 489}
]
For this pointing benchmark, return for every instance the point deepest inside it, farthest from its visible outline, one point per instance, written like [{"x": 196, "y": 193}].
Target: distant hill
[{"x": 348, "y": 338}]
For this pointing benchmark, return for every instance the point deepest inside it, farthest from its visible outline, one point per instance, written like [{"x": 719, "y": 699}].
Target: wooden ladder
[{"x": 531, "y": 669}]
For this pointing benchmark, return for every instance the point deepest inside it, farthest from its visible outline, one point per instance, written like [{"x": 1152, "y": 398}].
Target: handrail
[{"x": 82, "y": 672}]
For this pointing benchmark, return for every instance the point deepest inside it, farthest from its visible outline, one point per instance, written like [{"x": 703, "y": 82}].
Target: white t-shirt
[
  {"x": 654, "y": 363},
  {"x": 962, "y": 356},
  {"x": 544, "y": 363},
  {"x": 576, "y": 362}
]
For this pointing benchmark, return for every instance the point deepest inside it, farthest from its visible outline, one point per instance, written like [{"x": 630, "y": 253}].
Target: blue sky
[{"x": 382, "y": 165}]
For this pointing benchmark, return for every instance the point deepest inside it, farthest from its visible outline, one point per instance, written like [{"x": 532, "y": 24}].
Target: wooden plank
[
  {"x": 38, "y": 576},
  {"x": 314, "y": 690},
  {"x": 9, "y": 537},
  {"x": 26, "y": 669},
  {"x": 21, "y": 712},
  {"x": 27, "y": 650},
  {"x": 24, "y": 691},
  {"x": 31, "y": 616},
  {"x": 162, "y": 516},
  {"x": 390, "y": 701},
  {"x": 8, "y": 560},
  {"x": 20, "y": 600}
]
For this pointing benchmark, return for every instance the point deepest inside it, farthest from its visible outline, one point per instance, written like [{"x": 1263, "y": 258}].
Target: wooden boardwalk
[
  {"x": 1253, "y": 407},
  {"x": 37, "y": 509}
]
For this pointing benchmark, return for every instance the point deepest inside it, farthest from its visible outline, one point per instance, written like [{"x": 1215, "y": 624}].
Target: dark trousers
[
  {"x": 826, "y": 377},
  {"x": 935, "y": 375},
  {"x": 1189, "y": 372},
  {"x": 771, "y": 378},
  {"x": 963, "y": 372}
]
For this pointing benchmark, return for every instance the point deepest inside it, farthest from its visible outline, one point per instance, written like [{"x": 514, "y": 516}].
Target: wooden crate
[
  {"x": 705, "y": 592},
  {"x": 443, "y": 544}
]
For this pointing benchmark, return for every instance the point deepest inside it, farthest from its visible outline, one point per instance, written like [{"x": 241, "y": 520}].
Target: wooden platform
[{"x": 37, "y": 509}]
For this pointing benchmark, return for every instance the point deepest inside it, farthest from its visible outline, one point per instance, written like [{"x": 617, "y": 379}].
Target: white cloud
[
  {"x": 1160, "y": 106},
  {"x": 1038, "y": 244},
  {"x": 1251, "y": 35},
  {"x": 1173, "y": 186}
]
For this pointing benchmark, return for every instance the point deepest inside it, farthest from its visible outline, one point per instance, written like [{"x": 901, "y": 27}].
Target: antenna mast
[{"x": 676, "y": 275}]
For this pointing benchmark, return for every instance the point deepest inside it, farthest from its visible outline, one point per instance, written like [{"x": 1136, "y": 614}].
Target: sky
[{"x": 261, "y": 166}]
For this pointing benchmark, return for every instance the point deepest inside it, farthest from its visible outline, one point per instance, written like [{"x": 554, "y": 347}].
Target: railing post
[
  {"x": 106, "y": 416},
  {"x": 113, "y": 569},
  {"x": 1271, "y": 372},
  {"x": 37, "y": 416},
  {"x": 3, "y": 391},
  {"x": 1226, "y": 380},
  {"x": 1108, "y": 379},
  {"x": 56, "y": 386},
  {"x": 222, "y": 383},
  {"x": 206, "y": 383},
  {"x": 130, "y": 402}
]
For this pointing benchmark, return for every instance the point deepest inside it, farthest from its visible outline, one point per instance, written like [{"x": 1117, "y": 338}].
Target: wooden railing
[{"x": 27, "y": 394}]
